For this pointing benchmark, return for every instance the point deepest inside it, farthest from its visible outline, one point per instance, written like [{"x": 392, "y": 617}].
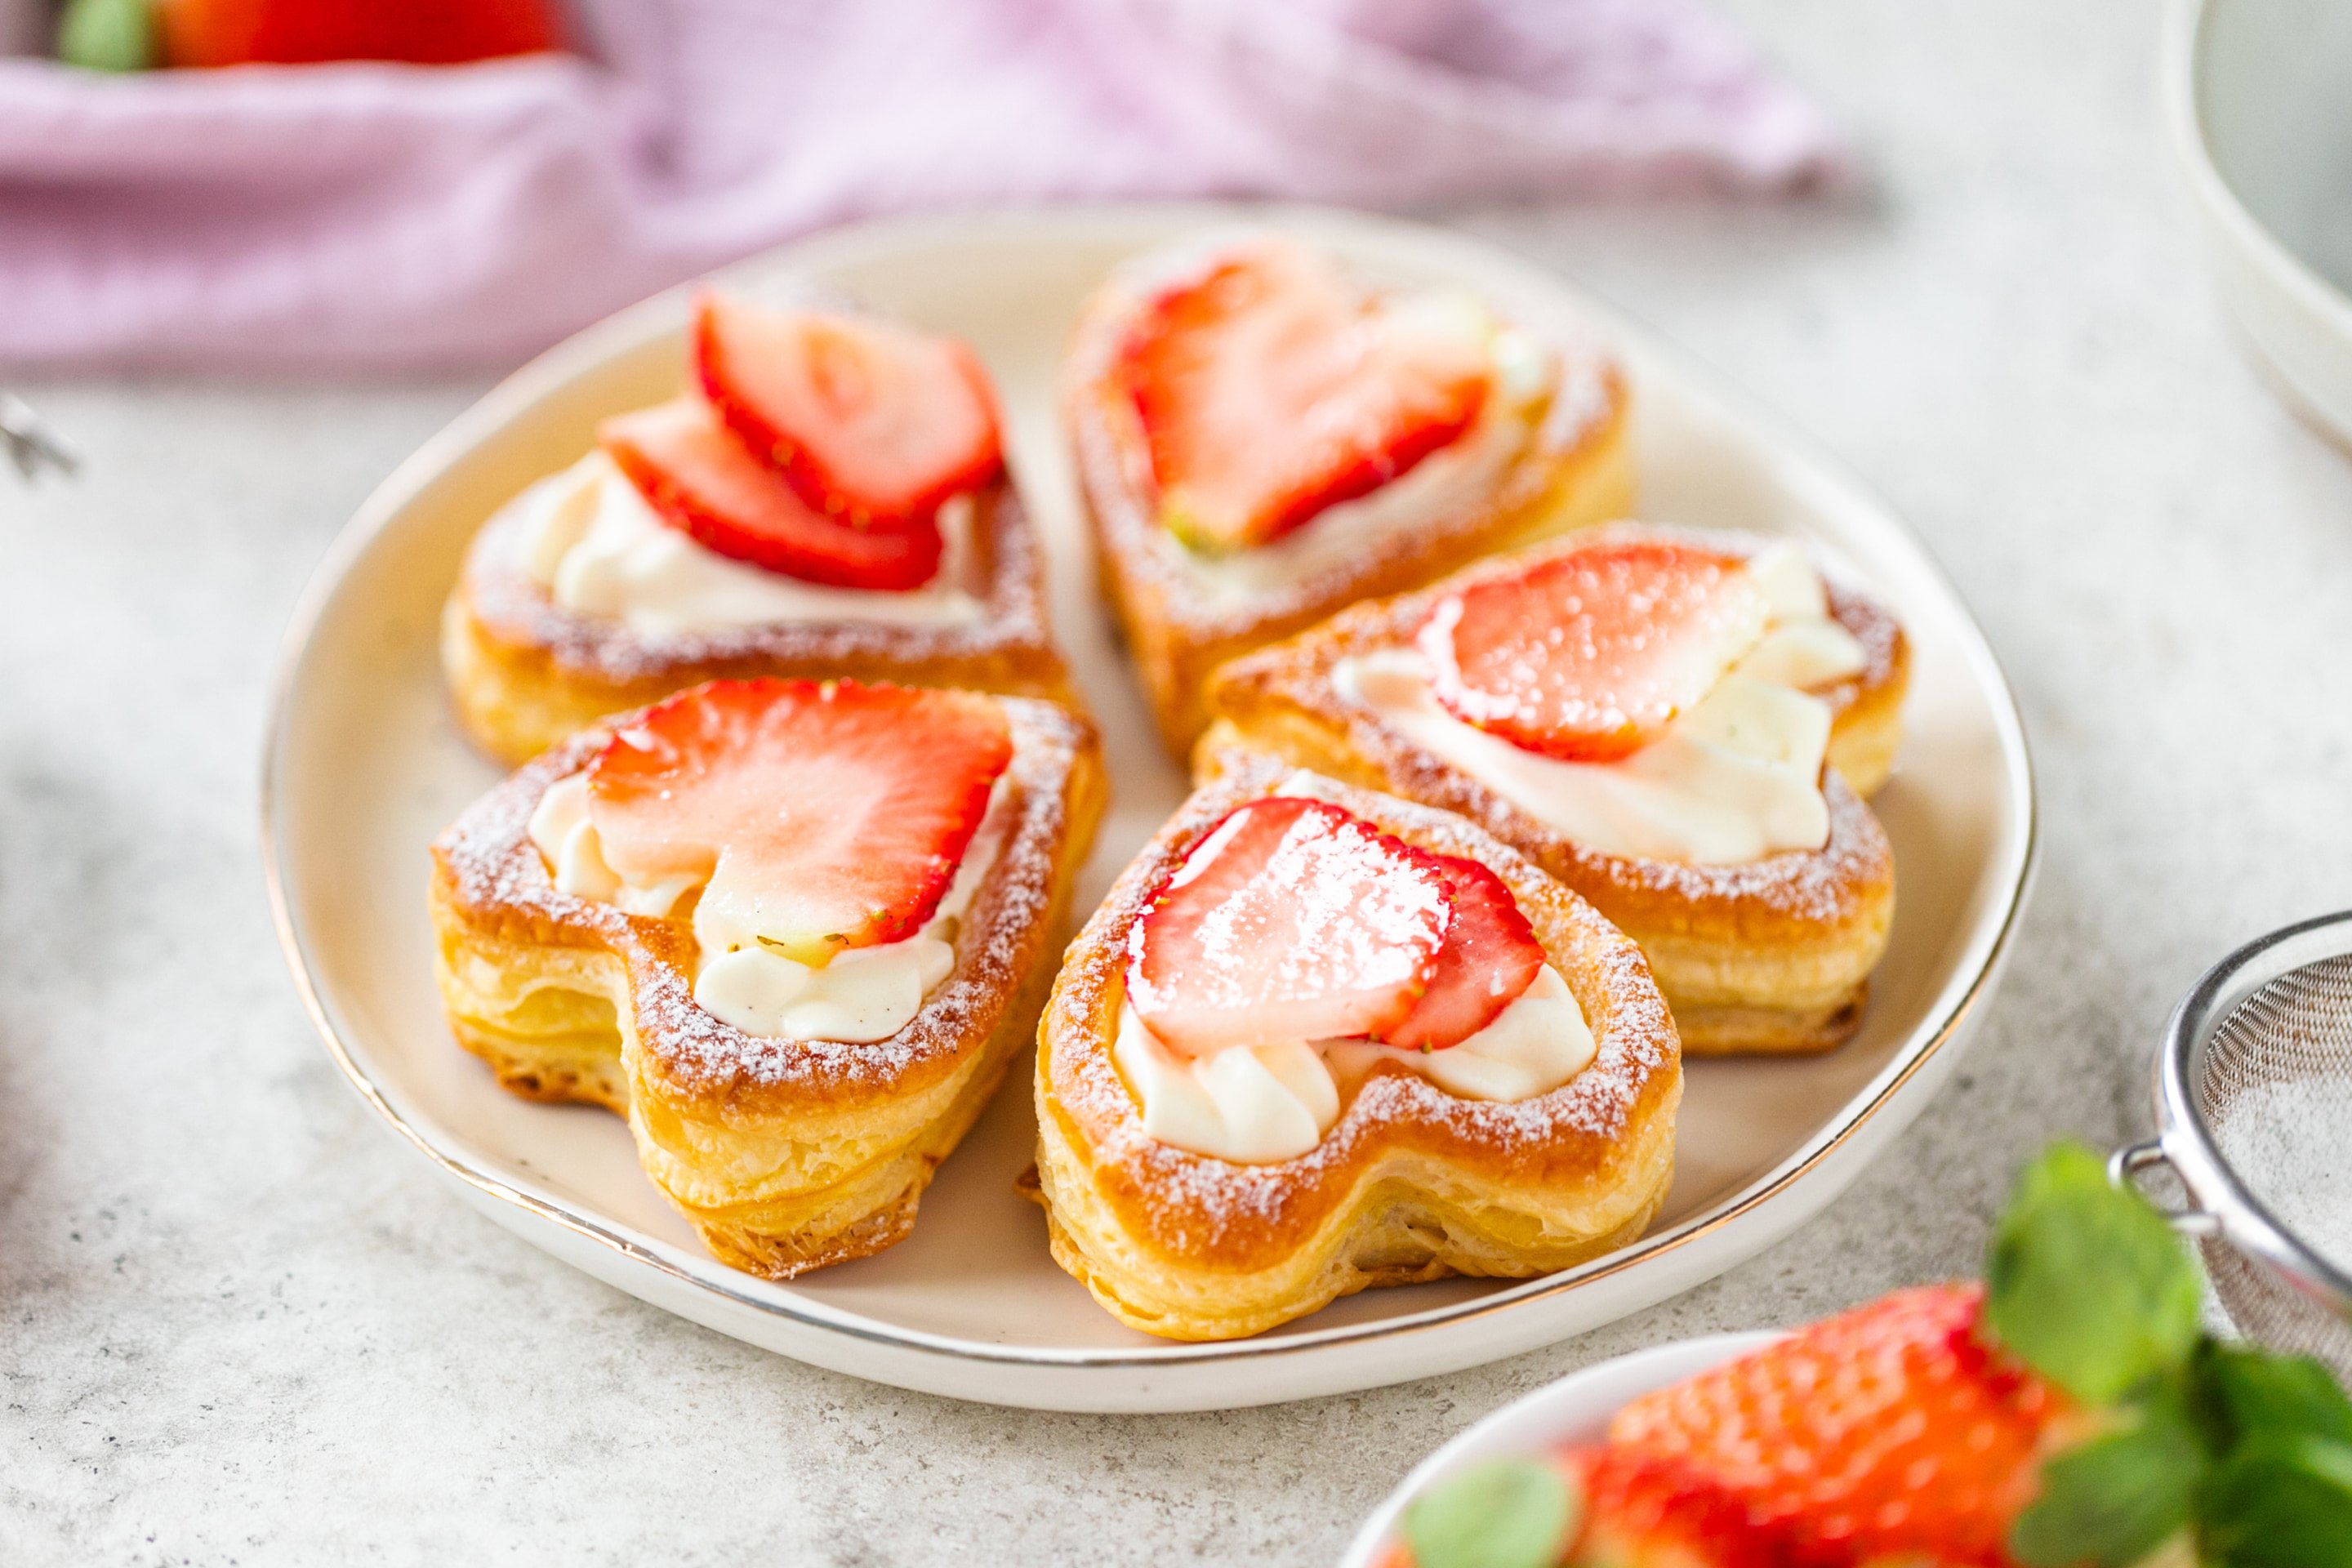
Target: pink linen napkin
[{"x": 387, "y": 216}]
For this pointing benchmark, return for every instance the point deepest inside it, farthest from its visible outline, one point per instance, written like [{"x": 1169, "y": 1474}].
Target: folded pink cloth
[{"x": 389, "y": 216}]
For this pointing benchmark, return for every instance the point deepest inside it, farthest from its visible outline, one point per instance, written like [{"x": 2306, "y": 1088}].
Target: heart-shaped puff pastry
[
  {"x": 786, "y": 1153},
  {"x": 1260, "y": 390},
  {"x": 683, "y": 549},
  {"x": 1410, "y": 1182}
]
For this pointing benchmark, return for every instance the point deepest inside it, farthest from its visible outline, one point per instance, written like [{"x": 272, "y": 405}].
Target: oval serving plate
[
  {"x": 1576, "y": 1409},
  {"x": 364, "y": 766}
]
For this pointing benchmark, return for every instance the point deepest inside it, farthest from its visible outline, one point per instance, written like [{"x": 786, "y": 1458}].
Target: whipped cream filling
[
  {"x": 1734, "y": 779},
  {"x": 1254, "y": 1104},
  {"x": 1448, "y": 481},
  {"x": 860, "y": 994},
  {"x": 592, "y": 542}
]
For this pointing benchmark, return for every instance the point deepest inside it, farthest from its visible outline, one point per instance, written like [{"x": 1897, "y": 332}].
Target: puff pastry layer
[
  {"x": 1410, "y": 1183},
  {"x": 1770, "y": 956},
  {"x": 1576, "y": 470},
  {"x": 786, "y": 1155},
  {"x": 526, "y": 673}
]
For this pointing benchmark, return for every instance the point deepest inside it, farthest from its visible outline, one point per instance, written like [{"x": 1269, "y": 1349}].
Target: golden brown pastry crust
[
  {"x": 1774, "y": 956},
  {"x": 527, "y": 673},
  {"x": 1577, "y": 469},
  {"x": 786, "y": 1155},
  {"x": 1410, "y": 1183}
]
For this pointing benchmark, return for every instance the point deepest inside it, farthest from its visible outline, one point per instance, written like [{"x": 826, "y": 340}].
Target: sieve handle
[{"x": 2123, "y": 1167}]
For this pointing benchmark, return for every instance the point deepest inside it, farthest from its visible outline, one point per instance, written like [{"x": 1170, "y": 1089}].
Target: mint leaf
[
  {"x": 2246, "y": 1392},
  {"x": 2088, "y": 1283},
  {"x": 2112, "y": 1501},
  {"x": 2280, "y": 1501},
  {"x": 1504, "y": 1513}
]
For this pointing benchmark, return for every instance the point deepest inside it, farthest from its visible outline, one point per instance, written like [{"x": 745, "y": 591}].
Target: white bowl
[
  {"x": 1576, "y": 1409},
  {"x": 2255, "y": 95}
]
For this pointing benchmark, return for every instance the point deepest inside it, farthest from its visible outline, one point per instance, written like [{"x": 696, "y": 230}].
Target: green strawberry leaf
[
  {"x": 107, "y": 34},
  {"x": 2245, "y": 1392},
  {"x": 2111, "y": 1501},
  {"x": 2280, "y": 1501},
  {"x": 2088, "y": 1283},
  {"x": 1503, "y": 1513}
]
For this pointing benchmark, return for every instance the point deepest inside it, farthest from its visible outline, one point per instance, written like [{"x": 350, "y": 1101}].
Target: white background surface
[{"x": 238, "y": 1324}]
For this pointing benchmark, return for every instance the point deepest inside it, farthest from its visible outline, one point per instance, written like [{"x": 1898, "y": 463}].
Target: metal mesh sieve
[{"x": 2253, "y": 1091}]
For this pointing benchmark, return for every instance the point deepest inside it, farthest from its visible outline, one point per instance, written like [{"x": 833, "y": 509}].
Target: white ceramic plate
[
  {"x": 1576, "y": 1409},
  {"x": 364, "y": 766},
  {"x": 2254, "y": 97}
]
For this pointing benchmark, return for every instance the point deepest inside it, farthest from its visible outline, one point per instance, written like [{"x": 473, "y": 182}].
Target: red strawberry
[
  {"x": 1893, "y": 1429},
  {"x": 702, "y": 482},
  {"x": 1590, "y": 656},
  {"x": 1644, "y": 1511},
  {"x": 825, "y": 816},
  {"x": 870, "y": 422},
  {"x": 1271, "y": 388},
  {"x": 1294, "y": 919},
  {"x": 293, "y": 32},
  {"x": 1490, "y": 956}
]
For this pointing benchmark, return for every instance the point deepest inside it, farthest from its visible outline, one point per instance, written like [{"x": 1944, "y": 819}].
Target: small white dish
[
  {"x": 1576, "y": 1409},
  {"x": 364, "y": 766},
  {"x": 2253, "y": 96}
]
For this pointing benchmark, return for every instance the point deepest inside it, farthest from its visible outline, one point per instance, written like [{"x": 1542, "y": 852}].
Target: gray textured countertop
[{"x": 242, "y": 1325}]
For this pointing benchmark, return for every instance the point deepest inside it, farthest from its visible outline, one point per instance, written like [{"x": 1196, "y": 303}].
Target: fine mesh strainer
[{"x": 2254, "y": 1094}]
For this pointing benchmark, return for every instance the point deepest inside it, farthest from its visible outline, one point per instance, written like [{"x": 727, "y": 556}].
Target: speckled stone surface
[{"x": 239, "y": 1324}]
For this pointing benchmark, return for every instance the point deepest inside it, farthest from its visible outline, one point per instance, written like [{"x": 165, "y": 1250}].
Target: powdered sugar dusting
[
  {"x": 1203, "y": 1205},
  {"x": 495, "y": 876},
  {"x": 1290, "y": 922}
]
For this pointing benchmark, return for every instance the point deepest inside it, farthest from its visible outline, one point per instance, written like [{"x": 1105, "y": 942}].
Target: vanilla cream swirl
[{"x": 860, "y": 994}]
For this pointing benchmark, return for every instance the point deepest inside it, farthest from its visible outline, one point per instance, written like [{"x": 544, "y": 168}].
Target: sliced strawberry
[
  {"x": 824, "y": 816},
  {"x": 1643, "y": 1511},
  {"x": 870, "y": 422},
  {"x": 1271, "y": 388},
  {"x": 1590, "y": 656},
  {"x": 1893, "y": 1431},
  {"x": 701, "y": 481},
  {"x": 1294, "y": 919},
  {"x": 1490, "y": 956}
]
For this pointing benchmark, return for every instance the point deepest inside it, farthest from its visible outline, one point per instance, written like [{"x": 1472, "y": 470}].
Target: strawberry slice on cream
[
  {"x": 818, "y": 819},
  {"x": 1292, "y": 920},
  {"x": 706, "y": 484},
  {"x": 1591, "y": 656},
  {"x": 1299, "y": 947},
  {"x": 1270, "y": 387},
  {"x": 870, "y": 423},
  {"x": 1489, "y": 959}
]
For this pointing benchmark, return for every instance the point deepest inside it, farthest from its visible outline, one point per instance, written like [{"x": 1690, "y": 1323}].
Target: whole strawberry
[{"x": 1893, "y": 1429}]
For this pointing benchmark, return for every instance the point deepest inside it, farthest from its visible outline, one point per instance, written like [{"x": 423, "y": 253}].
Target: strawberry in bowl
[{"x": 2070, "y": 1412}]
